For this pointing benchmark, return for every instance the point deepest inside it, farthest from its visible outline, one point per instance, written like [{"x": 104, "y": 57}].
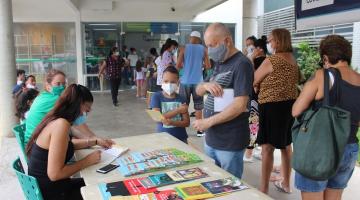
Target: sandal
[
  {"x": 274, "y": 178},
  {"x": 280, "y": 187}
]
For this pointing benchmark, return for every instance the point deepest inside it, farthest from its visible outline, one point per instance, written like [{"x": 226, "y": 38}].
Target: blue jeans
[
  {"x": 341, "y": 178},
  {"x": 231, "y": 161}
]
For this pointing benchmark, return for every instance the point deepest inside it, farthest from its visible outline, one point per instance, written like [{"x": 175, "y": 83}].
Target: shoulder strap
[
  {"x": 326, "y": 100},
  {"x": 336, "y": 85}
]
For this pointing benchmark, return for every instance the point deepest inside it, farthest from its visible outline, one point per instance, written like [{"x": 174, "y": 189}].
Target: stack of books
[
  {"x": 149, "y": 184},
  {"x": 139, "y": 163}
]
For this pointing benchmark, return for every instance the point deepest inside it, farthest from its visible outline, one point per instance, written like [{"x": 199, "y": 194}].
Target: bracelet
[{"x": 95, "y": 141}]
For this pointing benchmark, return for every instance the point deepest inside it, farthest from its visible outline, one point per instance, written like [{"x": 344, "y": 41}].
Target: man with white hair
[
  {"x": 192, "y": 57},
  {"x": 227, "y": 131}
]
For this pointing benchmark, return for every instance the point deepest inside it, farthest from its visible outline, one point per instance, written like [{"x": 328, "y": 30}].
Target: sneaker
[
  {"x": 116, "y": 104},
  {"x": 248, "y": 160},
  {"x": 200, "y": 134}
]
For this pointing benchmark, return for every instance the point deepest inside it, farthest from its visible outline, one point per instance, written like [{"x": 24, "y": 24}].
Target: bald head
[{"x": 216, "y": 32}]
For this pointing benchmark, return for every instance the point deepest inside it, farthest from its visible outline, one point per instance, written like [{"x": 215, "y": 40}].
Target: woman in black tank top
[
  {"x": 50, "y": 147},
  {"x": 335, "y": 52}
]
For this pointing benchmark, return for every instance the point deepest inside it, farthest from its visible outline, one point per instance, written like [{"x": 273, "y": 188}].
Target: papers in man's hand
[
  {"x": 220, "y": 103},
  {"x": 116, "y": 150},
  {"x": 155, "y": 115}
]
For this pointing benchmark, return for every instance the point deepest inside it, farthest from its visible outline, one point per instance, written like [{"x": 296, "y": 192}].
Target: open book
[{"x": 116, "y": 150}]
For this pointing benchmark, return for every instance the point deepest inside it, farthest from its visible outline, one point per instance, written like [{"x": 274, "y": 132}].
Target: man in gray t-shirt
[{"x": 227, "y": 132}]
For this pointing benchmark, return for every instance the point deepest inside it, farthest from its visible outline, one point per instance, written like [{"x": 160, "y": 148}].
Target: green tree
[{"x": 308, "y": 59}]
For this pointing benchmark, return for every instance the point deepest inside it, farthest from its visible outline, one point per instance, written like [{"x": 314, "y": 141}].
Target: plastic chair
[
  {"x": 28, "y": 183},
  {"x": 19, "y": 132}
]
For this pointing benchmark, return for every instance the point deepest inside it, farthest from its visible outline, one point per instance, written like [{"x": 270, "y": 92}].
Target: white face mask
[
  {"x": 116, "y": 53},
  {"x": 270, "y": 49},
  {"x": 19, "y": 82},
  {"x": 250, "y": 49},
  {"x": 29, "y": 86},
  {"x": 169, "y": 88}
]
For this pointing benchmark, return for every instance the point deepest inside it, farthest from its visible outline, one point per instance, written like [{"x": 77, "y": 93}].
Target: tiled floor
[{"x": 127, "y": 120}]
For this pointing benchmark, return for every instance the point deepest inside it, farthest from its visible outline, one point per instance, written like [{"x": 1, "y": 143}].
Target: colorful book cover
[
  {"x": 193, "y": 191},
  {"x": 108, "y": 190},
  {"x": 135, "y": 187},
  {"x": 161, "y": 179},
  {"x": 147, "y": 183},
  {"x": 192, "y": 173},
  {"x": 227, "y": 185},
  {"x": 169, "y": 106},
  {"x": 160, "y": 195},
  {"x": 174, "y": 175},
  {"x": 139, "y": 163}
]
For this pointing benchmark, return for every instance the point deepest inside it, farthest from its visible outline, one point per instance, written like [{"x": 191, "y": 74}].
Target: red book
[{"x": 135, "y": 187}]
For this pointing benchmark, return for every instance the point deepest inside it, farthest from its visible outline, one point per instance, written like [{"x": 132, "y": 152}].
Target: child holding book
[{"x": 172, "y": 106}]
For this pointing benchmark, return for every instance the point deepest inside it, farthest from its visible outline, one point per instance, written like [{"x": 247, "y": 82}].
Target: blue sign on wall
[{"x": 165, "y": 27}]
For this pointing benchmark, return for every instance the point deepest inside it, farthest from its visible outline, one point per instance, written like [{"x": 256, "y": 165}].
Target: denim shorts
[
  {"x": 186, "y": 91},
  {"x": 339, "y": 180},
  {"x": 231, "y": 161}
]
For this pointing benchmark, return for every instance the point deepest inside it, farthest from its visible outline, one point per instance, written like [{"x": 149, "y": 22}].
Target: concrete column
[
  {"x": 251, "y": 10},
  {"x": 356, "y": 47},
  {"x": 7, "y": 69},
  {"x": 79, "y": 51}
]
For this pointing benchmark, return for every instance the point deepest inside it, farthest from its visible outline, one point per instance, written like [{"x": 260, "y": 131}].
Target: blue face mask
[
  {"x": 217, "y": 53},
  {"x": 80, "y": 120}
]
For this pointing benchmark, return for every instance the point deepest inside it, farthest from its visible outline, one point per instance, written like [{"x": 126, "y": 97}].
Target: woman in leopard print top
[{"x": 276, "y": 80}]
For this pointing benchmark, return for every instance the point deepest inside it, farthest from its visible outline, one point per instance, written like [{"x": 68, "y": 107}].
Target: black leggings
[
  {"x": 68, "y": 189},
  {"x": 114, "y": 85}
]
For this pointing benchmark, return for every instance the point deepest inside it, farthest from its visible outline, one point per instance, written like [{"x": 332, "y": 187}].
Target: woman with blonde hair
[{"x": 276, "y": 81}]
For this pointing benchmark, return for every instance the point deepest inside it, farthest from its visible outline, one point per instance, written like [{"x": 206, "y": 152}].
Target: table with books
[{"x": 159, "y": 167}]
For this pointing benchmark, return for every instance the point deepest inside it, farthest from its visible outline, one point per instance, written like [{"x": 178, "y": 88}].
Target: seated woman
[
  {"x": 54, "y": 86},
  {"x": 50, "y": 147},
  {"x": 23, "y": 103}
]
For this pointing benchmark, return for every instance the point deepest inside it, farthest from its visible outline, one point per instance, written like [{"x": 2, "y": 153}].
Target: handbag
[{"x": 321, "y": 134}]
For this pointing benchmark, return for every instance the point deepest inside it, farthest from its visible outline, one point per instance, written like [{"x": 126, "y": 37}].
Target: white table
[{"x": 152, "y": 142}]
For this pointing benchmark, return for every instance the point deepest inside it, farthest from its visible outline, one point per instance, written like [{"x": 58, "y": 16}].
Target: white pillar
[
  {"x": 251, "y": 11},
  {"x": 79, "y": 51},
  {"x": 356, "y": 47},
  {"x": 7, "y": 69}
]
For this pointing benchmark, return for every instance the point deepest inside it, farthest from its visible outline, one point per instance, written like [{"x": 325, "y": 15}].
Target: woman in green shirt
[{"x": 54, "y": 86}]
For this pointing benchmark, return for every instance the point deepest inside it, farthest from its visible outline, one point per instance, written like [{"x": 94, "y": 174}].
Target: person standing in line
[
  {"x": 133, "y": 58},
  {"x": 335, "y": 52},
  {"x": 192, "y": 57},
  {"x": 113, "y": 65},
  {"x": 258, "y": 56},
  {"x": 276, "y": 80},
  {"x": 249, "y": 50},
  {"x": 166, "y": 59},
  {"x": 227, "y": 131}
]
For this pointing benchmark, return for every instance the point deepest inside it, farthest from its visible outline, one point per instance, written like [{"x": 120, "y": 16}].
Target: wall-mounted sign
[
  {"x": 316, "y": 13},
  {"x": 164, "y": 28}
]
